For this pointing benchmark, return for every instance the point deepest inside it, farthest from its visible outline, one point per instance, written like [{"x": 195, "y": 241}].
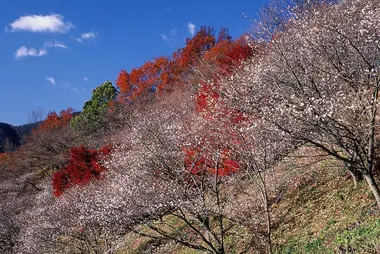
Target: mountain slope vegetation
[{"x": 266, "y": 143}]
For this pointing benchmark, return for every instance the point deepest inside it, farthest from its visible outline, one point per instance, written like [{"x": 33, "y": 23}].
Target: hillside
[
  {"x": 316, "y": 209},
  {"x": 11, "y": 136},
  {"x": 266, "y": 143}
]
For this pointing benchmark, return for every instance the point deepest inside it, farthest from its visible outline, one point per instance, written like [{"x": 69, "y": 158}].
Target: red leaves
[
  {"x": 207, "y": 98},
  {"x": 230, "y": 166},
  {"x": 204, "y": 60},
  {"x": 123, "y": 82},
  {"x": 54, "y": 121},
  {"x": 197, "y": 162},
  {"x": 195, "y": 47},
  {"x": 152, "y": 75},
  {"x": 227, "y": 55},
  {"x": 222, "y": 57},
  {"x": 84, "y": 165}
]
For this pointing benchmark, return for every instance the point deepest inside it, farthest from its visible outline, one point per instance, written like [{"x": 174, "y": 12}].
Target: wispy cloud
[
  {"x": 51, "y": 80},
  {"x": 68, "y": 86},
  {"x": 24, "y": 52},
  {"x": 191, "y": 28},
  {"x": 165, "y": 37},
  {"x": 55, "y": 44},
  {"x": 53, "y": 23},
  {"x": 170, "y": 37},
  {"x": 173, "y": 32},
  {"x": 85, "y": 79},
  {"x": 87, "y": 36}
]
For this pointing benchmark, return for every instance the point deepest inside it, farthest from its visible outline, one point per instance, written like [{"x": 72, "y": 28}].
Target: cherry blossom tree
[
  {"x": 318, "y": 82},
  {"x": 146, "y": 181}
]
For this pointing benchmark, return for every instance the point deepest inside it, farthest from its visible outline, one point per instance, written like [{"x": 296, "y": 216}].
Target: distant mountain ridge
[{"x": 11, "y": 136}]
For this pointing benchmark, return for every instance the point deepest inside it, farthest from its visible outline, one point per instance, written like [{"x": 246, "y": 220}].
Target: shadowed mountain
[
  {"x": 9, "y": 138},
  {"x": 24, "y": 130}
]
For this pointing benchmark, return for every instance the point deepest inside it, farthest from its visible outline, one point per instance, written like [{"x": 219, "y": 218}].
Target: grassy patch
[
  {"x": 305, "y": 245},
  {"x": 363, "y": 238},
  {"x": 325, "y": 214},
  {"x": 315, "y": 209}
]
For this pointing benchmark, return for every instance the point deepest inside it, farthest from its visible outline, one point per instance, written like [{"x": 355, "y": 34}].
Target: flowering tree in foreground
[
  {"x": 252, "y": 145},
  {"x": 318, "y": 82},
  {"x": 152, "y": 149},
  {"x": 17, "y": 191},
  {"x": 148, "y": 181}
]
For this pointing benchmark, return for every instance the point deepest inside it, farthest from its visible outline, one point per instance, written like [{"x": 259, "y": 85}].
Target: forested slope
[{"x": 259, "y": 144}]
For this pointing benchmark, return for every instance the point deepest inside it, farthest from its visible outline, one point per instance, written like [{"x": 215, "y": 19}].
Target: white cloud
[
  {"x": 51, "y": 80},
  {"x": 165, "y": 37},
  {"x": 55, "y": 44},
  {"x": 170, "y": 38},
  {"x": 87, "y": 36},
  {"x": 68, "y": 86},
  {"x": 53, "y": 23},
  {"x": 173, "y": 32},
  {"x": 24, "y": 52},
  {"x": 85, "y": 79},
  {"x": 191, "y": 28}
]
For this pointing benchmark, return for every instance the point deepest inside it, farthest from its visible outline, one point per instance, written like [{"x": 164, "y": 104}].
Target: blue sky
[{"x": 54, "y": 52}]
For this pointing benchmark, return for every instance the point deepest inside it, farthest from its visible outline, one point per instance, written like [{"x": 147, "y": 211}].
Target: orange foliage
[
  {"x": 4, "y": 158},
  {"x": 223, "y": 55},
  {"x": 207, "y": 98},
  {"x": 123, "y": 82},
  {"x": 153, "y": 75},
  {"x": 197, "y": 163},
  {"x": 227, "y": 55},
  {"x": 55, "y": 121},
  {"x": 195, "y": 47}
]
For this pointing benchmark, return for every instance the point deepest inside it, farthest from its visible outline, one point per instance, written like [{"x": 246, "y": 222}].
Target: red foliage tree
[
  {"x": 83, "y": 166},
  {"x": 228, "y": 54},
  {"x": 225, "y": 57},
  {"x": 195, "y": 47},
  {"x": 123, "y": 82},
  {"x": 222, "y": 54},
  {"x": 198, "y": 162},
  {"x": 54, "y": 121},
  {"x": 206, "y": 57},
  {"x": 152, "y": 75}
]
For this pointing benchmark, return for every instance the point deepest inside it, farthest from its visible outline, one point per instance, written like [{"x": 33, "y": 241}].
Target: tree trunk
[
  {"x": 373, "y": 187},
  {"x": 269, "y": 229},
  {"x": 357, "y": 176},
  {"x": 371, "y": 148},
  {"x": 267, "y": 215}
]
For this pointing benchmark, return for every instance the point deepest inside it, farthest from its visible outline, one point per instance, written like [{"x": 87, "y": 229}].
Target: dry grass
[{"x": 314, "y": 206}]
